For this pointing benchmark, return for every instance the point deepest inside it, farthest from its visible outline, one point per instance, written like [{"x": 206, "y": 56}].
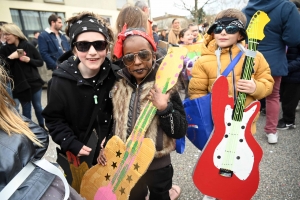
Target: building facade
[{"x": 32, "y": 15}]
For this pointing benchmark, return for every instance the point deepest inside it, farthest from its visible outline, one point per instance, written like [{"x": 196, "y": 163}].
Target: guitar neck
[{"x": 247, "y": 71}]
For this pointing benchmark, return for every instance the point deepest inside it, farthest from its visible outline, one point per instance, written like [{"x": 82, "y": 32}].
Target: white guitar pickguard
[{"x": 243, "y": 158}]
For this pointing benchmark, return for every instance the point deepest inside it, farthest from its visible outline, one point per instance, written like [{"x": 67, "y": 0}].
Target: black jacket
[
  {"x": 16, "y": 151},
  {"x": 26, "y": 77},
  {"x": 293, "y": 57},
  {"x": 71, "y": 104}
]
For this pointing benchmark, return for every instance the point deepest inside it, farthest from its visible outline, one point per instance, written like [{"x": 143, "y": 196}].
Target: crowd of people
[{"x": 101, "y": 80}]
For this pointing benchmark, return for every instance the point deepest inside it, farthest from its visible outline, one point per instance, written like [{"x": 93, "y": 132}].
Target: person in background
[
  {"x": 195, "y": 31},
  {"x": 290, "y": 87},
  {"x": 173, "y": 36},
  {"x": 34, "y": 40},
  {"x": 23, "y": 60},
  {"x": 146, "y": 9},
  {"x": 2, "y": 40},
  {"x": 52, "y": 43},
  {"x": 186, "y": 37},
  {"x": 133, "y": 17},
  {"x": 163, "y": 35},
  {"x": 282, "y": 30},
  {"x": 155, "y": 35},
  {"x": 23, "y": 141}
]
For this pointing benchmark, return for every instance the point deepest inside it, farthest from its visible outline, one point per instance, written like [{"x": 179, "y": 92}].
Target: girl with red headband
[{"x": 137, "y": 51}]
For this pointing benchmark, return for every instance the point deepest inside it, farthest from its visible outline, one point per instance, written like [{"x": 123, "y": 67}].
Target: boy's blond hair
[{"x": 233, "y": 13}]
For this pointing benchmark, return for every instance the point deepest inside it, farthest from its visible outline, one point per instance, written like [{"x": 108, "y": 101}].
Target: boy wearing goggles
[
  {"x": 223, "y": 41},
  {"x": 80, "y": 83},
  {"x": 137, "y": 50}
]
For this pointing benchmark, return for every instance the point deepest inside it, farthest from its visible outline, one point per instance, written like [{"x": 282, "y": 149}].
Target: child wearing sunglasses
[
  {"x": 80, "y": 85},
  {"x": 227, "y": 36},
  {"x": 137, "y": 51}
]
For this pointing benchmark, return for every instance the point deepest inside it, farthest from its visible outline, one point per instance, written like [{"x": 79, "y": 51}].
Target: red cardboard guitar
[{"x": 228, "y": 168}]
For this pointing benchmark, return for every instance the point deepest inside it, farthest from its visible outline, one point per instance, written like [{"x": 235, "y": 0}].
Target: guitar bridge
[{"x": 226, "y": 172}]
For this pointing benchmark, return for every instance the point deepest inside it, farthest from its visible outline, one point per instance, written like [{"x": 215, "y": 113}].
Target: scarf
[{"x": 173, "y": 37}]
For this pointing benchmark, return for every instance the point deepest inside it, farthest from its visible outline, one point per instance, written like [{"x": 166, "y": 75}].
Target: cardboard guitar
[
  {"x": 228, "y": 167},
  {"x": 127, "y": 162}
]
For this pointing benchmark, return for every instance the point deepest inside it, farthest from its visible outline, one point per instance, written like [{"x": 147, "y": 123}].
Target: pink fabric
[{"x": 273, "y": 107}]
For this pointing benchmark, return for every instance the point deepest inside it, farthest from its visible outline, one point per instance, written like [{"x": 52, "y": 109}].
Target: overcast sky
[{"x": 160, "y": 7}]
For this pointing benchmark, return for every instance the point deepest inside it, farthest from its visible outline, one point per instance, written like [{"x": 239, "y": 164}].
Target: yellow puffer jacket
[{"x": 204, "y": 72}]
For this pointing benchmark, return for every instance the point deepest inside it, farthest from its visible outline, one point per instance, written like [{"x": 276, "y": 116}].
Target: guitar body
[
  {"x": 245, "y": 177},
  {"x": 96, "y": 183}
]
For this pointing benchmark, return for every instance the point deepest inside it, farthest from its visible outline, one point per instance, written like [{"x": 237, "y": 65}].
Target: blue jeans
[{"x": 37, "y": 105}]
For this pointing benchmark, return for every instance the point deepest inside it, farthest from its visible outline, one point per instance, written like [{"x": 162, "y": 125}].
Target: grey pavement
[{"x": 279, "y": 168}]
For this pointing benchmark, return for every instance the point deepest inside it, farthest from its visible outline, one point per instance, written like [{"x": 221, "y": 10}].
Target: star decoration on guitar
[
  {"x": 114, "y": 165},
  {"x": 129, "y": 178},
  {"x": 107, "y": 177},
  {"x": 136, "y": 166},
  {"x": 118, "y": 154},
  {"x": 122, "y": 190}
]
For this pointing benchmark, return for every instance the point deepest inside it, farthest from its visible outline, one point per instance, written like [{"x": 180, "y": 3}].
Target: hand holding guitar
[
  {"x": 246, "y": 86},
  {"x": 158, "y": 99}
]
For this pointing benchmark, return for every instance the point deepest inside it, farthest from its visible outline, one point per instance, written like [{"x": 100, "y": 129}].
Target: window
[{"x": 30, "y": 21}]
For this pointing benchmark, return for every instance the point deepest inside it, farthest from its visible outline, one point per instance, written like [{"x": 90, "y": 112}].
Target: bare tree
[{"x": 196, "y": 9}]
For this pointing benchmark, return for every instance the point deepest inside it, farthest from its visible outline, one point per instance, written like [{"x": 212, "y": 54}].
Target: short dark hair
[
  {"x": 35, "y": 32},
  {"x": 174, "y": 20},
  {"x": 154, "y": 27},
  {"x": 53, "y": 18}
]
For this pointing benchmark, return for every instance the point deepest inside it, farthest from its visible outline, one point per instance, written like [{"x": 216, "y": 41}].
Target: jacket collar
[
  {"x": 48, "y": 30},
  {"x": 130, "y": 79},
  {"x": 69, "y": 70}
]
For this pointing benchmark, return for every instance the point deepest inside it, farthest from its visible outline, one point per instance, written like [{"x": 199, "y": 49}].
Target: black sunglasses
[
  {"x": 231, "y": 29},
  {"x": 143, "y": 55},
  {"x": 84, "y": 46}
]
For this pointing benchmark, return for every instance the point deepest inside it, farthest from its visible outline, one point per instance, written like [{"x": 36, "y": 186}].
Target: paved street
[{"x": 280, "y": 166}]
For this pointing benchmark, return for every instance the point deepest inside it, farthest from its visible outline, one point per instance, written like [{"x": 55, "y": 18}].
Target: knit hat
[{"x": 87, "y": 24}]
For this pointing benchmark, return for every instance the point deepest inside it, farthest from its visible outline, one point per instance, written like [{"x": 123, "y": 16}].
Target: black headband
[
  {"x": 225, "y": 21},
  {"x": 87, "y": 24}
]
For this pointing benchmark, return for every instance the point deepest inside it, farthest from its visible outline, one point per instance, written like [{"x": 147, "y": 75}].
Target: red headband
[{"x": 118, "y": 49}]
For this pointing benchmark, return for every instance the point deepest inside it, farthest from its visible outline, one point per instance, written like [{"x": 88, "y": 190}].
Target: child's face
[
  {"x": 194, "y": 30},
  {"x": 225, "y": 39},
  {"x": 91, "y": 59},
  {"x": 187, "y": 38},
  {"x": 138, "y": 57}
]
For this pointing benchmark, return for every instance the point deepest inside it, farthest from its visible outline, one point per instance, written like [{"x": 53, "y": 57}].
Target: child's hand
[
  {"x": 84, "y": 151},
  {"x": 246, "y": 86},
  {"x": 101, "y": 158},
  {"x": 158, "y": 99}
]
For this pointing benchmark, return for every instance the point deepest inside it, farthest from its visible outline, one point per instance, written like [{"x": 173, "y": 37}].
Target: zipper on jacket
[{"x": 134, "y": 113}]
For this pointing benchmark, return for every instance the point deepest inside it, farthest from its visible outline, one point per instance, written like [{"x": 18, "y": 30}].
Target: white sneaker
[
  {"x": 208, "y": 198},
  {"x": 272, "y": 137}
]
